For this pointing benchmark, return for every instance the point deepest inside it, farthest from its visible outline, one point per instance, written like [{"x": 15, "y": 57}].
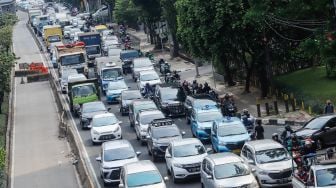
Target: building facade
[{"x": 7, "y": 6}]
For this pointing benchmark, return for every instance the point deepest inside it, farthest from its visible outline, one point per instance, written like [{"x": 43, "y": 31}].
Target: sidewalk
[
  {"x": 188, "y": 72},
  {"x": 39, "y": 158}
]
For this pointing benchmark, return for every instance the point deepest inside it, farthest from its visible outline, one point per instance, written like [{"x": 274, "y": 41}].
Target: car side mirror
[
  {"x": 166, "y": 178},
  {"x": 208, "y": 150},
  {"x": 183, "y": 133},
  {"x": 148, "y": 137},
  {"x": 108, "y": 109},
  {"x": 120, "y": 122},
  {"x": 168, "y": 155},
  {"x": 138, "y": 153},
  {"x": 121, "y": 185},
  {"x": 326, "y": 128},
  {"x": 98, "y": 159},
  {"x": 251, "y": 162},
  {"x": 253, "y": 170},
  {"x": 208, "y": 176}
]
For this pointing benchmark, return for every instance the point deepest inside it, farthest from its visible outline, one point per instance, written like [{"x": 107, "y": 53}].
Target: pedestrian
[
  {"x": 259, "y": 130},
  {"x": 329, "y": 108},
  {"x": 286, "y": 135},
  {"x": 206, "y": 88},
  {"x": 199, "y": 89}
]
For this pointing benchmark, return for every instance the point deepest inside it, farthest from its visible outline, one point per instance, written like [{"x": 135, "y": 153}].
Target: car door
[
  {"x": 130, "y": 114},
  {"x": 209, "y": 170},
  {"x": 205, "y": 173},
  {"x": 150, "y": 139},
  {"x": 137, "y": 125},
  {"x": 169, "y": 153},
  {"x": 193, "y": 122},
  {"x": 214, "y": 139},
  {"x": 187, "y": 106},
  {"x": 329, "y": 135}
]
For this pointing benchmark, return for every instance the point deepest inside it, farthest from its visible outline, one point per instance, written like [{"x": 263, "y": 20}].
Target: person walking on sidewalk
[
  {"x": 259, "y": 131},
  {"x": 329, "y": 108}
]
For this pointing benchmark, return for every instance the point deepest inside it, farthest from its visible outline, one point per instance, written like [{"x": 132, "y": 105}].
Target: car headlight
[
  {"x": 178, "y": 165},
  {"x": 254, "y": 184},
  {"x": 117, "y": 129},
  {"x": 95, "y": 132},
  {"x": 155, "y": 144},
  {"x": 164, "y": 104},
  {"x": 263, "y": 172}
]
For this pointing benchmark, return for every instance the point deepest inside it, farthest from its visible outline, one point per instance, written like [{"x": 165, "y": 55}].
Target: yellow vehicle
[
  {"x": 52, "y": 34},
  {"x": 100, "y": 28}
]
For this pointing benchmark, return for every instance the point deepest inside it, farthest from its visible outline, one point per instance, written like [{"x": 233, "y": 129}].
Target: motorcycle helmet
[
  {"x": 245, "y": 111},
  {"x": 275, "y": 135}
]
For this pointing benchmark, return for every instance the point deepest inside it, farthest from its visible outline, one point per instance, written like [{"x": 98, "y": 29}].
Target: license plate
[
  {"x": 236, "y": 151},
  {"x": 195, "y": 169}
]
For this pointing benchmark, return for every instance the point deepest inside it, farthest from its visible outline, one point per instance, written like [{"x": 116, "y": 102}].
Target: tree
[
  {"x": 6, "y": 64},
  {"x": 126, "y": 12},
  {"x": 110, "y": 5}
]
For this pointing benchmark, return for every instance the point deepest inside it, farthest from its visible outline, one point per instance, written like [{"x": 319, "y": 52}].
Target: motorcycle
[
  {"x": 248, "y": 121},
  {"x": 229, "y": 110},
  {"x": 164, "y": 67}
]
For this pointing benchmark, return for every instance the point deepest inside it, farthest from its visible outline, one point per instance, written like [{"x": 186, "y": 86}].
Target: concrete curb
[{"x": 280, "y": 122}]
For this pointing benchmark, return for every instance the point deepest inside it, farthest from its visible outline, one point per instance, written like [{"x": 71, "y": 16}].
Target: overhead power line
[{"x": 291, "y": 24}]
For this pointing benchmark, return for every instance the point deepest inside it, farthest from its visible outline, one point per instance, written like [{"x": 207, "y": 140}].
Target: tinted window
[
  {"x": 230, "y": 130},
  {"x": 103, "y": 121},
  {"x": 72, "y": 59},
  {"x": 165, "y": 132},
  {"x": 187, "y": 150},
  {"x": 209, "y": 116},
  {"x": 143, "y": 178},
  {"x": 129, "y": 55},
  {"x": 119, "y": 154},
  {"x": 316, "y": 123},
  {"x": 230, "y": 170},
  {"x": 94, "y": 108},
  {"x": 272, "y": 155},
  {"x": 92, "y": 50},
  {"x": 326, "y": 177},
  {"x": 146, "y": 119},
  {"x": 169, "y": 94},
  {"x": 131, "y": 95}
]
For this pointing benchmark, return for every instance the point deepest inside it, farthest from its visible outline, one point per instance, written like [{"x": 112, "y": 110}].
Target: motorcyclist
[
  {"x": 206, "y": 88},
  {"x": 275, "y": 137},
  {"x": 246, "y": 113},
  {"x": 194, "y": 86},
  {"x": 294, "y": 144},
  {"x": 176, "y": 75},
  {"x": 186, "y": 88},
  {"x": 308, "y": 150},
  {"x": 199, "y": 89},
  {"x": 286, "y": 135}
]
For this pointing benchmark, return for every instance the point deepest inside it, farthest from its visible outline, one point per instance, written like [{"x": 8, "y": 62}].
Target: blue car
[
  {"x": 114, "y": 90},
  {"x": 202, "y": 120},
  {"x": 229, "y": 135}
]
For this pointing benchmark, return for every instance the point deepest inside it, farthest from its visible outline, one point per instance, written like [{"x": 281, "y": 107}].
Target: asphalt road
[{"x": 129, "y": 134}]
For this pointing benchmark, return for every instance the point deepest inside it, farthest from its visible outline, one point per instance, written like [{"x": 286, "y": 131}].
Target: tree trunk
[
  {"x": 175, "y": 48},
  {"x": 264, "y": 82},
  {"x": 248, "y": 80},
  {"x": 228, "y": 75},
  {"x": 1, "y": 100}
]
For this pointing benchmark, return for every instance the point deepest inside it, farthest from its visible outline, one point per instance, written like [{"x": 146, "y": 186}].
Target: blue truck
[{"x": 92, "y": 41}]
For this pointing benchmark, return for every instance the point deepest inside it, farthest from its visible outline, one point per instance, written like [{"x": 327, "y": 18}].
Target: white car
[
  {"x": 271, "y": 161},
  {"x": 114, "y": 90},
  {"x": 143, "y": 118},
  {"x": 184, "y": 157},
  {"x": 64, "y": 79},
  {"x": 73, "y": 32},
  {"x": 66, "y": 31},
  {"x": 140, "y": 64},
  {"x": 110, "y": 44},
  {"x": 115, "y": 154},
  {"x": 105, "y": 127},
  {"x": 76, "y": 36},
  {"x": 114, "y": 52},
  {"x": 141, "y": 174},
  {"x": 226, "y": 170},
  {"x": 150, "y": 77}
]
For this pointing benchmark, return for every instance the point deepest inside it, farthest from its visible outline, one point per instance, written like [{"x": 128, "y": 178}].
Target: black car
[
  {"x": 159, "y": 134},
  {"x": 89, "y": 110},
  {"x": 166, "y": 98},
  {"x": 126, "y": 98},
  {"x": 321, "y": 129},
  {"x": 126, "y": 57}
]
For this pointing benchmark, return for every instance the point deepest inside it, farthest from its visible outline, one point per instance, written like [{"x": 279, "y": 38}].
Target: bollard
[
  {"x": 258, "y": 108},
  {"x": 22, "y": 81},
  {"x": 309, "y": 110},
  {"x": 302, "y": 106},
  {"x": 267, "y": 109},
  {"x": 276, "y": 109},
  {"x": 286, "y": 103}
]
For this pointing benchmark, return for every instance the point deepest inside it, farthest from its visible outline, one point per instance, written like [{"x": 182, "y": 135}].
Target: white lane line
[{"x": 13, "y": 136}]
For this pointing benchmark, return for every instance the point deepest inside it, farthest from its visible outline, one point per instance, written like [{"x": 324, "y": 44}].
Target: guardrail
[{"x": 67, "y": 129}]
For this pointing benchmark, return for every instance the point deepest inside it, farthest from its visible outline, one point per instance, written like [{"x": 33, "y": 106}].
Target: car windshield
[
  {"x": 326, "y": 177},
  {"x": 96, "y": 107},
  {"x": 83, "y": 91},
  {"x": 72, "y": 59},
  {"x": 103, "y": 121},
  {"x": 92, "y": 50},
  {"x": 119, "y": 154},
  {"x": 169, "y": 94},
  {"x": 139, "y": 107},
  {"x": 316, "y": 123},
  {"x": 149, "y": 77},
  {"x": 141, "y": 64},
  {"x": 111, "y": 73},
  {"x": 209, "y": 116},
  {"x": 272, "y": 155},
  {"x": 187, "y": 150},
  {"x": 146, "y": 119},
  {"x": 231, "y": 170},
  {"x": 165, "y": 132},
  {"x": 55, "y": 38},
  {"x": 117, "y": 85},
  {"x": 143, "y": 178},
  {"x": 131, "y": 95},
  {"x": 230, "y": 130},
  {"x": 129, "y": 55}
]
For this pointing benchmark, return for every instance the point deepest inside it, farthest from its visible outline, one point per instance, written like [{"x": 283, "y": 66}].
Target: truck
[
  {"x": 62, "y": 19},
  {"x": 52, "y": 34},
  {"x": 321, "y": 172},
  {"x": 41, "y": 21},
  {"x": 33, "y": 12},
  {"x": 108, "y": 71},
  {"x": 81, "y": 92},
  {"x": 71, "y": 56},
  {"x": 92, "y": 41}
]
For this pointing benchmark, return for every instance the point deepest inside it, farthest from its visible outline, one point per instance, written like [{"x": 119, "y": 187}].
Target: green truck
[{"x": 82, "y": 92}]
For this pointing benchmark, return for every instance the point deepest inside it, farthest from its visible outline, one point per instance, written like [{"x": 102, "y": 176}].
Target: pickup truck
[{"x": 321, "y": 174}]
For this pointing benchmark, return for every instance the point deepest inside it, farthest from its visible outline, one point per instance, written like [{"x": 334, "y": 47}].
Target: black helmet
[
  {"x": 287, "y": 128},
  {"x": 147, "y": 84}
]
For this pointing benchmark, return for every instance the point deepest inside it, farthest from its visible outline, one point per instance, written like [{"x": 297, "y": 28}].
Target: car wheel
[
  {"x": 154, "y": 159},
  {"x": 149, "y": 152},
  {"x": 93, "y": 143},
  {"x": 188, "y": 121},
  {"x": 202, "y": 185},
  {"x": 168, "y": 171},
  {"x": 319, "y": 144},
  {"x": 137, "y": 136},
  {"x": 173, "y": 176}
]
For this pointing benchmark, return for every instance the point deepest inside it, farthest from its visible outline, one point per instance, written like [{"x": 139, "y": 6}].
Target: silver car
[
  {"x": 271, "y": 162},
  {"x": 226, "y": 170},
  {"x": 115, "y": 154}
]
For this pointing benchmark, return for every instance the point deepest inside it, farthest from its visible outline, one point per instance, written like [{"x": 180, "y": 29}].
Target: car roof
[
  {"x": 150, "y": 111},
  {"x": 224, "y": 158},
  {"x": 185, "y": 141},
  {"x": 139, "y": 166},
  {"x": 264, "y": 144},
  {"x": 114, "y": 144}
]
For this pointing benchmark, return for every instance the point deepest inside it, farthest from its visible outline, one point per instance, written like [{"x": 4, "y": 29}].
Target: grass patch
[
  {"x": 309, "y": 85},
  {"x": 3, "y": 128}
]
